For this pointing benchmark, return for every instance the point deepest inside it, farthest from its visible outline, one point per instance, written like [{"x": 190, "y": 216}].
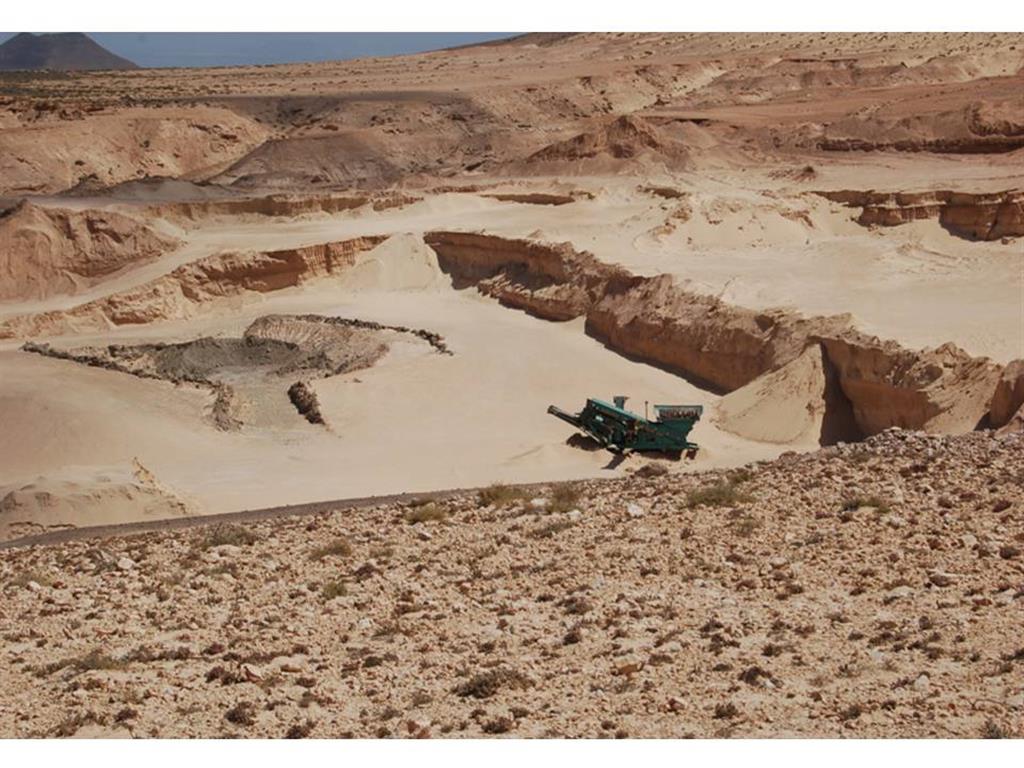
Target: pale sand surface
[
  {"x": 411, "y": 423},
  {"x": 915, "y": 283}
]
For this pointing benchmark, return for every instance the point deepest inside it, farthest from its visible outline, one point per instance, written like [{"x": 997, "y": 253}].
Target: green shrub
[
  {"x": 334, "y": 589},
  {"x": 338, "y": 547},
  {"x": 500, "y": 495},
  {"x": 724, "y": 493},
  {"x": 426, "y": 513},
  {"x": 564, "y": 497},
  {"x": 875, "y": 502},
  {"x": 549, "y": 529},
  {"x": 228, "y": 533}
]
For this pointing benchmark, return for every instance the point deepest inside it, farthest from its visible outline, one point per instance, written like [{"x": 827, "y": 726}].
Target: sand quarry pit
[
  {"x": 809, "y": 268},
  {"x": 295, "y": 285},
  {"x": 248, "y": 375}
]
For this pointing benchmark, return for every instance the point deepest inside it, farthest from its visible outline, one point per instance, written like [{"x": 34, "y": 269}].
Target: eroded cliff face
[
  {"x": 981, "y": 216},
  {"x": 700, "y": 337},
  {"x": 879, "y": 383},
  {"x": 53, "y": 251},
  {"x": 1008, "y": 399},
  {"x": 283, "y": 205},
  {"x": 938, "y": 390},
  {"x": 179, "y": 294},
  {"x": 551, "y": 281}
]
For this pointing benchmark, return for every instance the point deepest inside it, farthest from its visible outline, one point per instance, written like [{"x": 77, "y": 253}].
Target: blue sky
[{"x": 210, "y": 49}]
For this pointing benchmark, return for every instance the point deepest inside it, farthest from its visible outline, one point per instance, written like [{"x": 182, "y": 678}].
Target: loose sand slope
[{"x": 84, "y": 496}]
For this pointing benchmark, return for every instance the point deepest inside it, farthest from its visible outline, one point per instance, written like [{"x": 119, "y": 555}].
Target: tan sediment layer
[
  {"x": 880, "y": 384},
  {"x": 180, "y": 293},
  {"x": 979, "y": 216}
]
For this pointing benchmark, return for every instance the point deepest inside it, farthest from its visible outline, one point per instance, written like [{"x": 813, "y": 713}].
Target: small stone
[
  {"x": 899, "y": 593},
  {"x": 125, "y": 563},
  {"x": 634, "y": 510},
  {"x": 574, "y": 515},
  {"x": 922, "y": 683},
  {"x": 629, "y": 669},
  {"x": 423, "y": 535},
  {"x": 33, "y": 586},
  {"x": 252, "y": 673},
  {"x": 538, "y": 503},
  {"x": 940, "y": 579},
  {"x": 1009, "y": 552}
]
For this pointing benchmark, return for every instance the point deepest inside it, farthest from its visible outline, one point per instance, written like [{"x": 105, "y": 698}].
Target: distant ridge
[{"x": 63, "y": 51}]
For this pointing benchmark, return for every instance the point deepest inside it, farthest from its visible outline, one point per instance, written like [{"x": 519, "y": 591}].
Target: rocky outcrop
[
  {"x": 52, "y": 251},
  {"x": 554, "y": 282},
  {"x": 304, "y": 399},
  {"x": 871, "y": 384},
  {"x": 1009, "y": 395},
  {"x": 974, "y": 145},
  {"x": 977, "y": 216},
  {"x": 533, "y": 198},
  {"x": 939, "y": 390},
  {"x": 623, "y": 138}
]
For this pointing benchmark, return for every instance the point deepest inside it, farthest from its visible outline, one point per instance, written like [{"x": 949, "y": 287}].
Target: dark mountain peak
[{"x": 60, "y": 51}]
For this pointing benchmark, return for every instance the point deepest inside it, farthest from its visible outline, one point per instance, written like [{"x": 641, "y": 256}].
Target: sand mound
[
  {"x": 402, "y": 263},
  {"x": 86, "y": 496},
  {"x": 47, "y": 251},
  {"x": 799, "y": 403},
  {"x": 352, "y": 158}
]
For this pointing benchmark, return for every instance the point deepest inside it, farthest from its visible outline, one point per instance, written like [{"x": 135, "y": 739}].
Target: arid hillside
[
  {"x": 535, "y": 104},
  {"x": 859, "y": 591}
]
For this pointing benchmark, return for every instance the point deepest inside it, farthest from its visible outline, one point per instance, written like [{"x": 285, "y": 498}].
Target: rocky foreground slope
[{"x": 867, "y": 590}]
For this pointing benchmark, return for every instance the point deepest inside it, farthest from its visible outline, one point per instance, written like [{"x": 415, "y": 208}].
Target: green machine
[{"x": 620, "y": 430}]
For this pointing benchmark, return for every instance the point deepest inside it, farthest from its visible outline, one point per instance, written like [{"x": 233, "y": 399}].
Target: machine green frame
[{"x": 620, "y": 430}]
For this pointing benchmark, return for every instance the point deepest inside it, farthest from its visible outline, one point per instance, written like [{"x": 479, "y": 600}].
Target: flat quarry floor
[{"x": 416, "y": 421}]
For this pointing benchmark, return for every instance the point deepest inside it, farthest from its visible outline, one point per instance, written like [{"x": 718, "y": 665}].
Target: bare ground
[{"x": 869, "y": 590}]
